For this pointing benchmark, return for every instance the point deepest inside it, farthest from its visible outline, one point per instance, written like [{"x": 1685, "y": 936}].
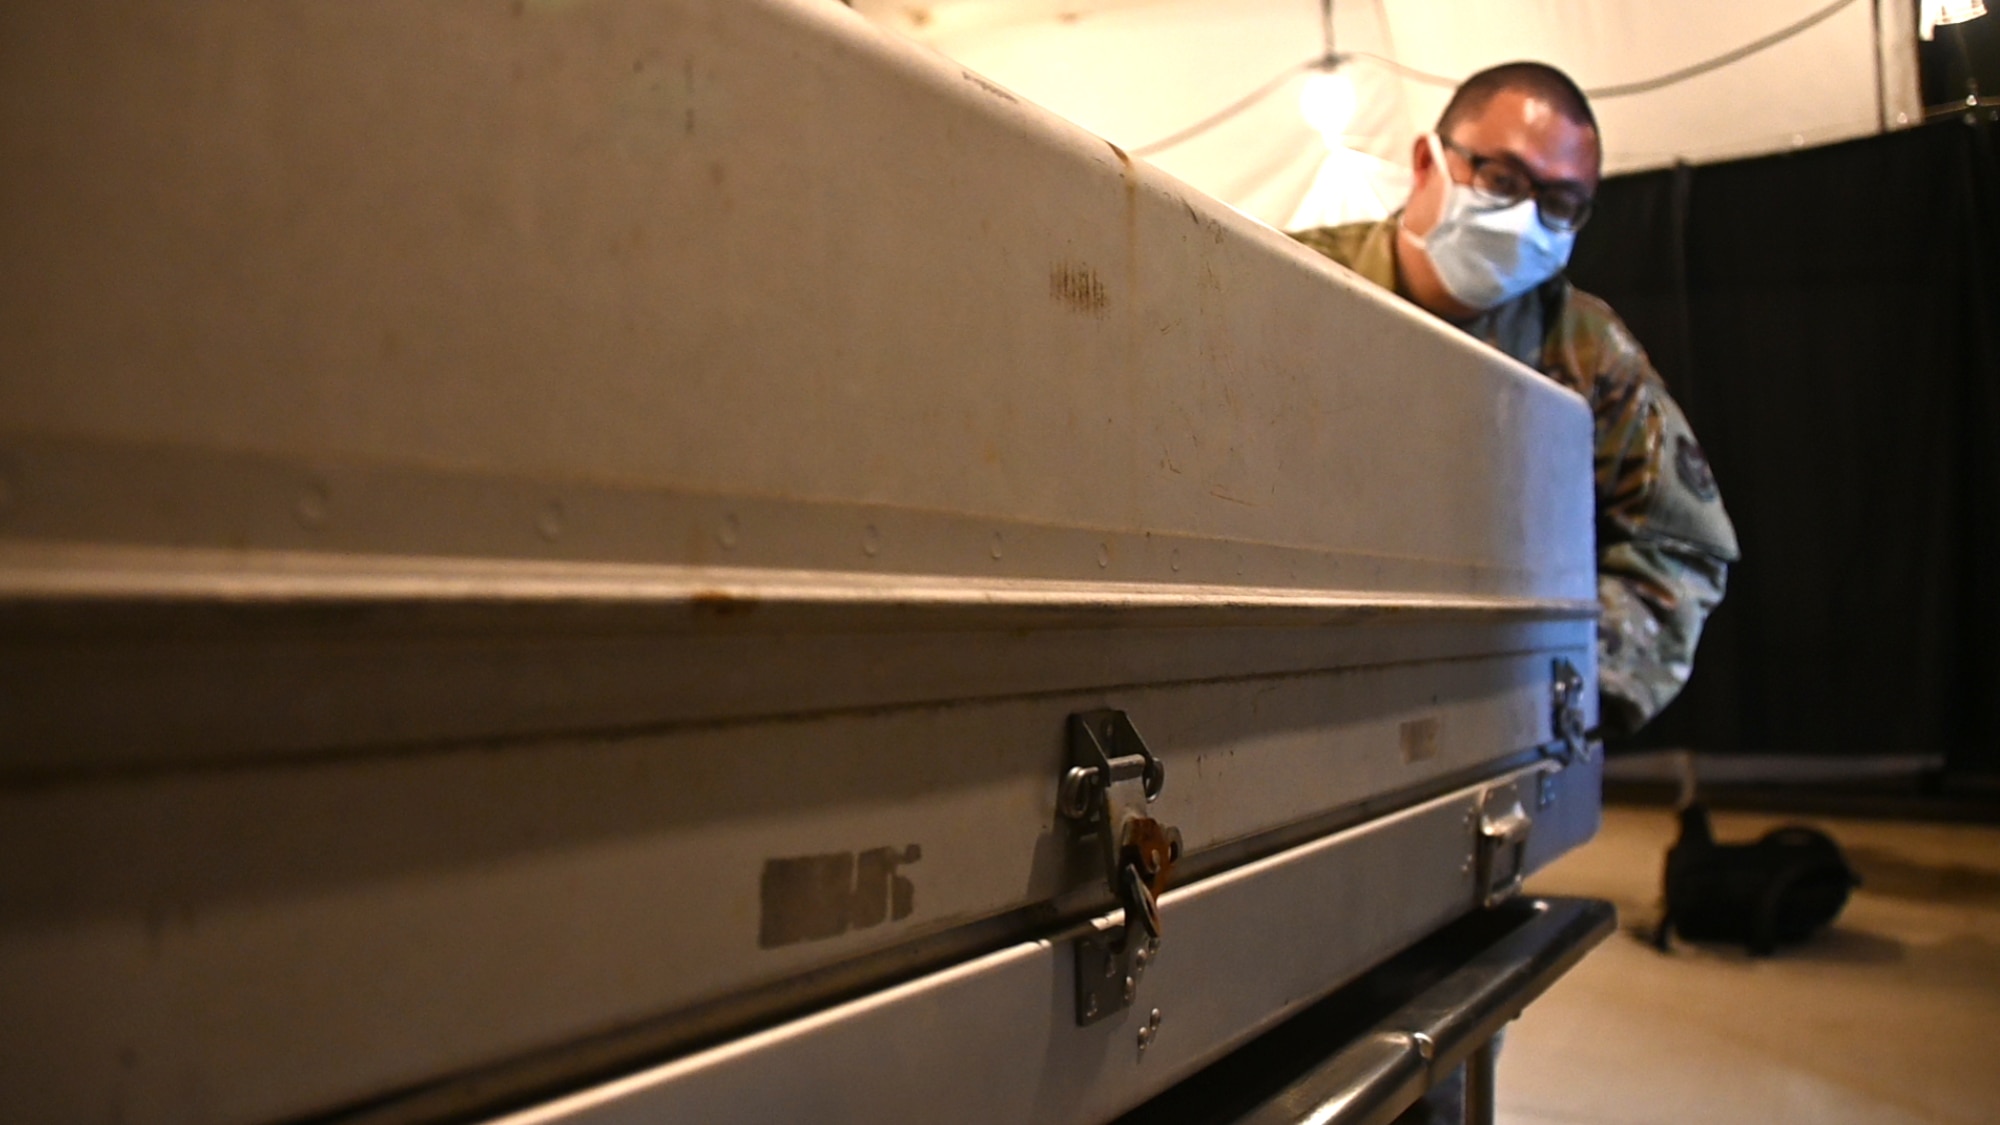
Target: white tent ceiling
[{"x": 1135, "y": 71}]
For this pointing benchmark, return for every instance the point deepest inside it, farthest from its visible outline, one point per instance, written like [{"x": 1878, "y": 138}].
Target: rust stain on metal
[
  {"x": 1078, "y": 287},
  {"x": 1148, "y": 844},
  {"x": 721, "y": 603}
]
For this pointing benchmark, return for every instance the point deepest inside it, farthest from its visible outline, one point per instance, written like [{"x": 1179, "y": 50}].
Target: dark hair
[{"x": 1536, "y": 79}]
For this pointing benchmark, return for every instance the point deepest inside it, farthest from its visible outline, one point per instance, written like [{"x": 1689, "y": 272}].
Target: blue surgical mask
[{"x": 1487, "y": 254}]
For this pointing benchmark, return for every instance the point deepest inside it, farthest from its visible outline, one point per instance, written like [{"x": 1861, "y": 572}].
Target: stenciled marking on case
[
  {"x": 1419, "y": 738},
  {"x": 1078, "y": 287},
  {"x": 815, "y": 897}
]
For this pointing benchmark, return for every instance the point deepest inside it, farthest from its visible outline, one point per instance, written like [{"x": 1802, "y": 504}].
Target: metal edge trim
[{"x": 108, "y": 575}]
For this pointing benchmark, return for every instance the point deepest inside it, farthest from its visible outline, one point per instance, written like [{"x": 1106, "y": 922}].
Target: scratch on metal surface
[{"x": 990, "y": 87}]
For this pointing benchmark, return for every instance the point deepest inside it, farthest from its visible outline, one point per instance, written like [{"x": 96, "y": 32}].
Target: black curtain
[{"x": 1830, "y": 320}]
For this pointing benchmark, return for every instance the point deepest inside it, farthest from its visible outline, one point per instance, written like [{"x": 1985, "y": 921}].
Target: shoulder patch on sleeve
[
  {"x": 1691, "y": 465},
  {"x": 1686, "y": 502}
]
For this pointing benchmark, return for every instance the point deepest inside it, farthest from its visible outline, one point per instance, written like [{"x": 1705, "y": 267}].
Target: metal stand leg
[
  {"x": 1479, "y": 1084},
  {"x": 1447, "y": 1032}
]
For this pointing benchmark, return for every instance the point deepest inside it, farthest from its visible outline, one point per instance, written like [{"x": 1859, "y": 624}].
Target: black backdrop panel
[{"x": 1830, "y": 319}]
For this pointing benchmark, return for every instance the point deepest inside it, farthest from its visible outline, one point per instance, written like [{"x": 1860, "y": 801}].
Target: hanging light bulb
[
  {"x": 1350, "y": 185},
  {"x": 1932, "y": 14},
  {"x": 1328, "y": 98},
  {"x": 1328, "y": 102}
]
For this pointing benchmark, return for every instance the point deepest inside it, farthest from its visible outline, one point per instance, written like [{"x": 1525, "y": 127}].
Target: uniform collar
[{"x": 1376, "y": 258}]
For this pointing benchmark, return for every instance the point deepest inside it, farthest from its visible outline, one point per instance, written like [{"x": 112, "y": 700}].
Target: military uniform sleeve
[
  {"x": 1361, "y": 247},
  {"x": 1665, "y": 541},
  {"x": 1325, "y": 240}
]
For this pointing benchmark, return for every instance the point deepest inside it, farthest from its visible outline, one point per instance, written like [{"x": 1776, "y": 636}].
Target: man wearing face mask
[{"x": 1499, "y": 191}]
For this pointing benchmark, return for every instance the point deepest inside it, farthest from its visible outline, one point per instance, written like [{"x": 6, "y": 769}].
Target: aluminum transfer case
[{"x": 699, "y": 541}]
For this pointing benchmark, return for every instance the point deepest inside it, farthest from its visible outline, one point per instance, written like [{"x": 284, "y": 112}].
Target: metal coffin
[{"x": 539, "y": 540}]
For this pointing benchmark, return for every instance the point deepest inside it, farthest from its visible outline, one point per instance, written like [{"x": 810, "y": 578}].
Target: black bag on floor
[{"x": 1777, "y": 891}]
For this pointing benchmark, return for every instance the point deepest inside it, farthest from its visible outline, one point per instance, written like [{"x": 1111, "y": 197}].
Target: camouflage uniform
[{"x": 1664, "y": 543}]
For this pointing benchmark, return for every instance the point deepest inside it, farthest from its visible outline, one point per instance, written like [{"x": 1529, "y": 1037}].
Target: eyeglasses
[{"x": 1560, "y": 206}]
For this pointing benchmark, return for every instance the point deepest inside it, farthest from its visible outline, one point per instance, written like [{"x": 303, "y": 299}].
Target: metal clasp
[
  {"x": 1566, "y": 723},
  {"x": 1111, "y": 779},
  {"x": 1503, "y": 847}
]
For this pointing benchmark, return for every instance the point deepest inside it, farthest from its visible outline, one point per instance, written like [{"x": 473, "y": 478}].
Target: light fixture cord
[{"x": 1621, "y": 90}]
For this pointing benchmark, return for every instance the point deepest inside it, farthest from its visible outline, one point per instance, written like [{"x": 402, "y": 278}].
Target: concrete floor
[{"x": 1893, "y": 1017}]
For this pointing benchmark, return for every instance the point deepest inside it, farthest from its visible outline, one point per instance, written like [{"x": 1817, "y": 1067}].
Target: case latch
[
  {"x": 1566, "y": 724},
  {"x": 1111, "y": 779},
  {"x": 1503, "y": 847}
]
